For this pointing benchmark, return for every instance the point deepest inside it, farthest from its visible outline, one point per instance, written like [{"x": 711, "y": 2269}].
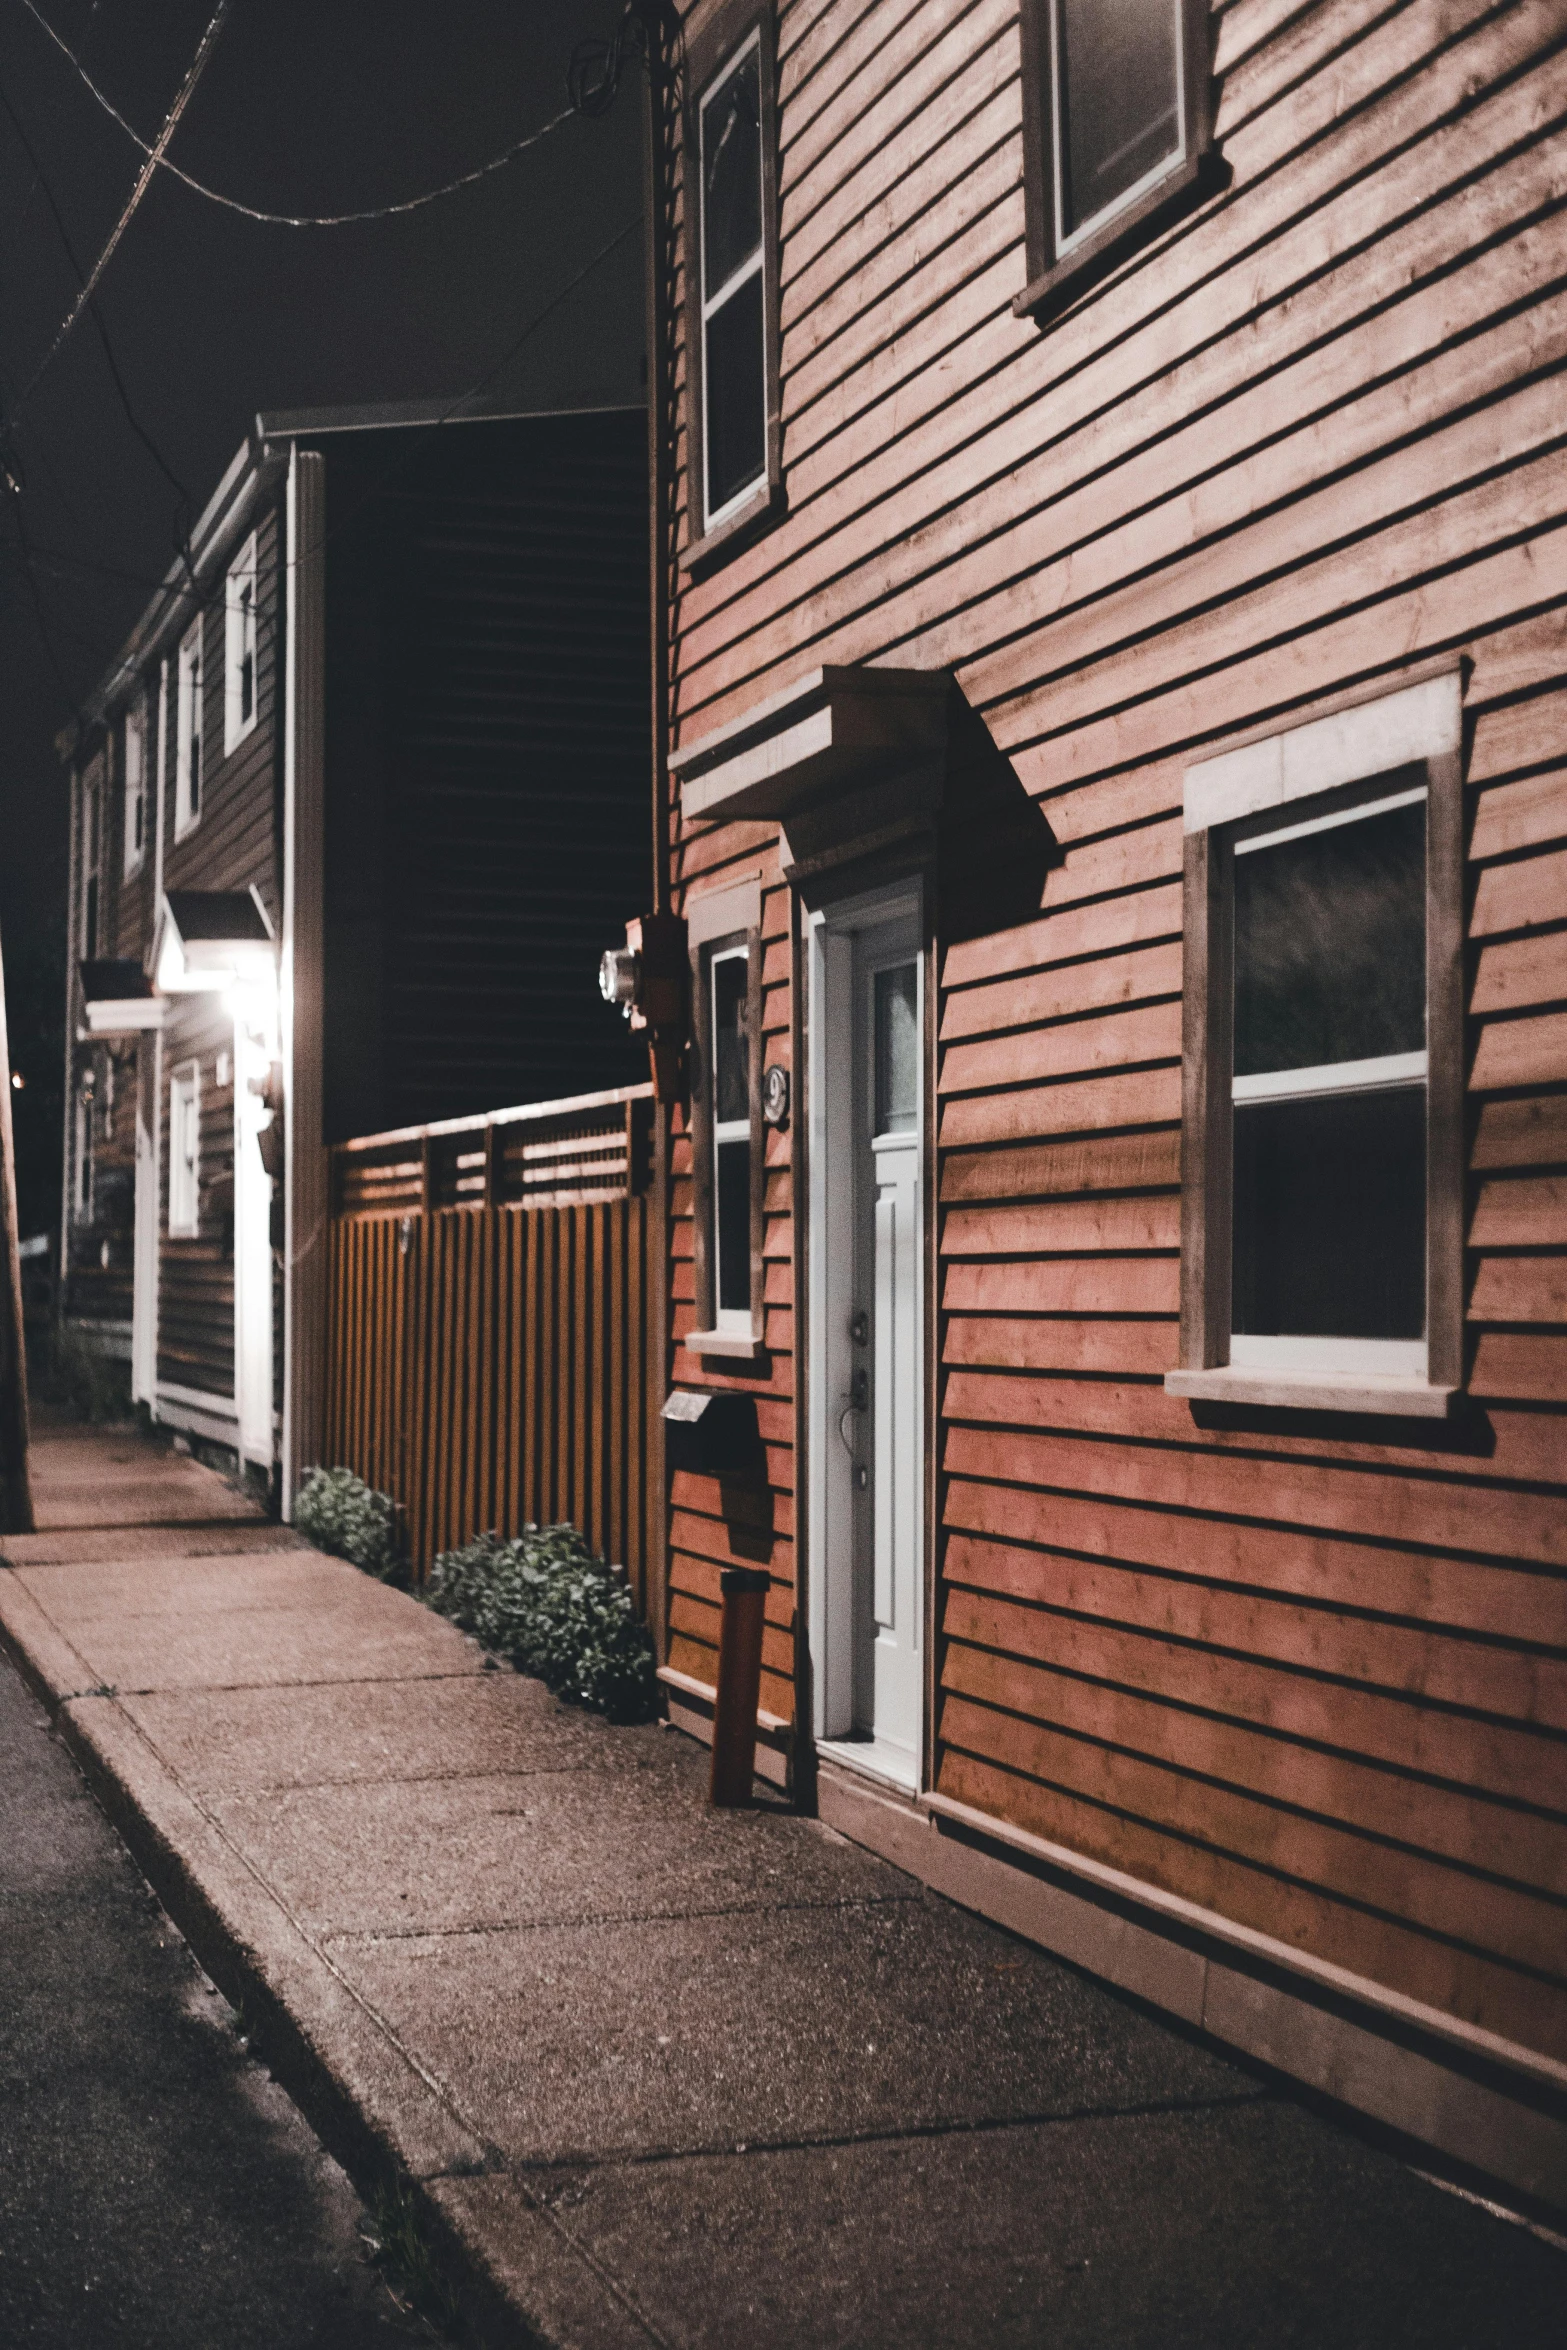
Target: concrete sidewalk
[{"x": 659, "y": 2074}]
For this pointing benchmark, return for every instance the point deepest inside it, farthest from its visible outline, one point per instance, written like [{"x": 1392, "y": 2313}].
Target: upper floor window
[
  {"x": 187, "y": 739},
  {"x": 92, "y": 845},
  {"x": 239, "y": 648},
  {"x": 1115, "y": 122},
  {"x": 733, "y": 348},
  {"x": 135, "y": 784}
]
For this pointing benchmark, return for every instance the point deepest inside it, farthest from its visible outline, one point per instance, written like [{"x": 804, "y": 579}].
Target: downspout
[
  {"x": 72, "y": 981},
  {"x": 660, "y": 142},
  {"x": 157, "y": 1036},
  {"x": 290, "y": 698}
]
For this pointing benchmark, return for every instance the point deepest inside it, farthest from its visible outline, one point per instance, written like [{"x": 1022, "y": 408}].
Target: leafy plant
[
  {"x": 543, "y": 1600},
  {"x": 398, "y": 2243},
  {"x": 339, "y": 1512}
]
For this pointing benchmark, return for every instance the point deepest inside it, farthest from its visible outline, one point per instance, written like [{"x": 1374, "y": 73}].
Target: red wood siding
[{"x": 1312, "y": 1676}]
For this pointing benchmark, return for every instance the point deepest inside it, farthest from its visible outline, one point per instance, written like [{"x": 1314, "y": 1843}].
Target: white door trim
[{"x": 831, "y": 1131}]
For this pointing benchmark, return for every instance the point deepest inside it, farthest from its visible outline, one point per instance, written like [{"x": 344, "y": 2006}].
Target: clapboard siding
[
  {"x": 237, "y": 841},
  {"x": 1311, "y": 1673},
  {"x": 196, "y": 1274}
]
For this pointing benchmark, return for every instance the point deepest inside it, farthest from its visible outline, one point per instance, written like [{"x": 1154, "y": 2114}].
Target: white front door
[{"x": 867, "y": 1453}]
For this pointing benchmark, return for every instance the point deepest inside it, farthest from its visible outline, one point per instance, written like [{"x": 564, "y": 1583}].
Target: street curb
[{"x": 364, "y": 2097}]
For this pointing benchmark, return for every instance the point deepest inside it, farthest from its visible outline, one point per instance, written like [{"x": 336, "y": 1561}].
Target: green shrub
[
  {"x": 339, "y": 1512},
  {"x": 545, "y": 1602}
]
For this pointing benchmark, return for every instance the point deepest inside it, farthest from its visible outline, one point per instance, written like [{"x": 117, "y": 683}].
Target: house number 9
[{"x": 775, "y": 1095}]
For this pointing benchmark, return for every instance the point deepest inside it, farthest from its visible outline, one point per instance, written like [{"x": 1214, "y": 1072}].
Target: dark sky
[{"x": 305, "y": 106}]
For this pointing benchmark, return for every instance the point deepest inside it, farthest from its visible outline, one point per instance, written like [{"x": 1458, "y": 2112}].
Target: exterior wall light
[{"x": 620, "y": 978}]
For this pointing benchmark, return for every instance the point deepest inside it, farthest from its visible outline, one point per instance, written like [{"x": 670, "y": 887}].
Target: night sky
[{"x": 324, "y": 107}]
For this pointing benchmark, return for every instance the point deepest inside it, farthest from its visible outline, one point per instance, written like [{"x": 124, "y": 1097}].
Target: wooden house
[
  {"x": 1119, "y": 796},
  {"x": 351, "y": 815}
]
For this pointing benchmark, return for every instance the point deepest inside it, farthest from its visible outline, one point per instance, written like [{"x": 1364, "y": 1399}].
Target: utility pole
[{"x": 16, "y": 1493}]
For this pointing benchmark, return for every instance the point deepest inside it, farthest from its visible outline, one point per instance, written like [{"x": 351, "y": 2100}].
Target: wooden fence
[{"x": 489, "y": 1323}]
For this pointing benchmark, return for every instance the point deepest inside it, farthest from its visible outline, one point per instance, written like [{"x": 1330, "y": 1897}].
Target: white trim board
[
  {"x": 1497, "y": 2108},
  {"x": 1374, "y": 737}
]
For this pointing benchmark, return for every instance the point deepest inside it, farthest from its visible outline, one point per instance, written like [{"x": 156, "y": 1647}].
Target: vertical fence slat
[{"x": 487, "y": 1364}]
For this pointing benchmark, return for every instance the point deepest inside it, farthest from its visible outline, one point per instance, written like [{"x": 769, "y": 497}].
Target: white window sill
[
  {"x": 1392, "y": 1393},
  {"x": 740, "y": 1345}
]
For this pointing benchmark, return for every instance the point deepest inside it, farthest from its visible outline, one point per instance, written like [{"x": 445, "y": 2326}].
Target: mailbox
[{"x": 713, "y": 1434}]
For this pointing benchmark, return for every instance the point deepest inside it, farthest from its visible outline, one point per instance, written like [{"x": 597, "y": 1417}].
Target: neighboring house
[
  {"x": 351, "y": 816},
  {"x": 1119, "y": 674}
]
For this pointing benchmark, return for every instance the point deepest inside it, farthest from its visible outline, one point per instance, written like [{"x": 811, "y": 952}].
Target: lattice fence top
[{"x": 595, "y": 1146}]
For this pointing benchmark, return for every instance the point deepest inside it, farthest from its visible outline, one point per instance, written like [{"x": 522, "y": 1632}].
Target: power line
[
  {"x": 182, "y": 524},
  {"x": 465, "y": 179},
  {"x": 207, "y": 600},
  {"x": 143, "y": 182}
]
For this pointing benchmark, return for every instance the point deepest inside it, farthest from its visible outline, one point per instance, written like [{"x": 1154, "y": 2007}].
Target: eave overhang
[
  {"x": 208, "y": 940},
  {"x": 851, "y": 761},
  {"x": 116, "y": 1000}
]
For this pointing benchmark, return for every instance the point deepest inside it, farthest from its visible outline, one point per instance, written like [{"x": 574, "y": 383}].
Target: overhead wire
[
  {"x": 41, "y": 181},
  {"x": 391, "y": 211},
  {"x": 209, "y": 599},
  {"x": 143, "y": 181}
]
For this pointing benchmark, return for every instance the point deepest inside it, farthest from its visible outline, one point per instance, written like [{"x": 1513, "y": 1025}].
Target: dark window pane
[
  {"x": 1117, "y": 90},
  {"x": 897, "y": 1049},
  {"x": 731, "y": 1044},
  {"x": 734, "y": 1227},
  {"x": 736, "y": 395},
  {"x": 1330, "y": 1217},
  {"x": 731, "y": 175},
  {"x": 1330, "y": 945}
]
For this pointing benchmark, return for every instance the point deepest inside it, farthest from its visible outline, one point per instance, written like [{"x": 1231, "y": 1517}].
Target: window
[
  {"x": 92, "y": 827},
  {"x": 83, "y": 1152},
  {"x": 135, "y": 784},
  {"x": 734, "y": 340},
  {"x": 187, "y": 740},
  {"x": 185, "y": 1152},
  {"x": 728, "y": 1159},
  {"x": 1322, "y": 1160},
  {"x": 239, "y": 648},
  {"x": 729, "y": 1028},
  {"x": 1115, "y": 124}
]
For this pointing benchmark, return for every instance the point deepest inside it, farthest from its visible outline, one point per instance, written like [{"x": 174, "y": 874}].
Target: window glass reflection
[
  {"x": 1330, "y": 1224},
  {"x": 1330, "y": 945},
  {"x": 897, "y": 1049},
  {"x": 1117, "y": 91}
]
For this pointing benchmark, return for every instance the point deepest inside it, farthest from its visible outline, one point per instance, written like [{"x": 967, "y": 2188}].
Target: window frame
[
  {"x": 1355, "y": 755},
  {"x": 239, "y": 637},
  {"x": 719, "y": 45},
  {"x": 90, "y": 902},
  {"x": 135, "y": 784},
  {"x": 190, "y": 701},
  {"x": 1055, "y": 264},
  {"x": 719, "y": 922},
  {"x": 185, "y": 1207}
]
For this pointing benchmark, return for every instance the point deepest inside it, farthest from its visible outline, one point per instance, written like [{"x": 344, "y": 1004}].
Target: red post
[{"x": 739, "y": 1685}]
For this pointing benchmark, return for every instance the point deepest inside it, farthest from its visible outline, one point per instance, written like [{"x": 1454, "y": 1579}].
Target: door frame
[{"x": 829, "y": 936}]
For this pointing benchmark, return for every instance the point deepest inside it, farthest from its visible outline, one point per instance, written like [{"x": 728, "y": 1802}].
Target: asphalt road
[{"x": 156, "y": 2187}]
